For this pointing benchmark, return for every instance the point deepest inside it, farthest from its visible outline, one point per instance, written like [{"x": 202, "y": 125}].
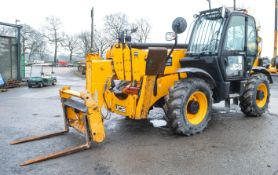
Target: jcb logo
[
  {"x": 120, "y": 108},
  {"x": 236, "y": 67}
]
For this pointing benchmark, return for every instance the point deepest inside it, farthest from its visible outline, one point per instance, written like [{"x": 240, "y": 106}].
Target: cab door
[{"x": 239, "y": 47}]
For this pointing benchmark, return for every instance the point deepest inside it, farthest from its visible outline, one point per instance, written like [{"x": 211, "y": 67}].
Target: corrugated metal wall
[{"x": 8, "y": 58}]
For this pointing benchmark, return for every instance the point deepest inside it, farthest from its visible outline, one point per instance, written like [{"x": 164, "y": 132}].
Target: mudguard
[
  {"x": 198, "y": 73},
  {"x": 263, "y": 70}
]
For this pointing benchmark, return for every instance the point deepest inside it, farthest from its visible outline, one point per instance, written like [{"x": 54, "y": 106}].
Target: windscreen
[
  {"x": 206, "y": 35},
  {"x": 41, "y": 71},
  {"x": 36, "y": 71}
]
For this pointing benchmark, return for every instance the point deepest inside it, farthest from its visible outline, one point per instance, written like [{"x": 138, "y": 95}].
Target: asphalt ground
[{"x": 232, "y": 143}]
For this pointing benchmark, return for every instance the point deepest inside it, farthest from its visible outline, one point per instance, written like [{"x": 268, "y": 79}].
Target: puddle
[
  {"x": 222, "y": 112},
  {"x": 158, "y": 123}
]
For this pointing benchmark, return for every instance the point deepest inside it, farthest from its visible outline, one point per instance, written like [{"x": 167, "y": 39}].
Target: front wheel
[
  {"x": 54, "y": 82},
  {"x": 255, "y": 98},
  {"x": 189, "y": 106},
  {"x": 40, "y": 84}
]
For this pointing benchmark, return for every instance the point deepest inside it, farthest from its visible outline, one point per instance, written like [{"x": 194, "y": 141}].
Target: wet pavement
[{"x": 232, "y": 143}]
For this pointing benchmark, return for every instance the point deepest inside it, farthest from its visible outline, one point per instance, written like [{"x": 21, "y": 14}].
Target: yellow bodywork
[
  {"x": 76, "y": 119},
  {"x": 130, "y": 65},
  {"x": 270, "y": 68},
  {"x": 124, "y": 64}
]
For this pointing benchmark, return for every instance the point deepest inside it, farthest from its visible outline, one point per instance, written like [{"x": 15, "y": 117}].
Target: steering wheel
[
  {"x": 212, "y": 43},
  {"x": 211, "y": 46}
]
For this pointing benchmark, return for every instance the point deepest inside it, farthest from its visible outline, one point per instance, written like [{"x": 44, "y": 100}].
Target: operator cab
[{"x": 223, "y": 43}]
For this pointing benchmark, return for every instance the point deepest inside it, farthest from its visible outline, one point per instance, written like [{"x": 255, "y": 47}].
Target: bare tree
[
  {"x": 35, "y": 44},
  {"x": 114, "y": 24},
  {"x": 31, "y": 49},
  {"x": 143, "y": 30},
  {"x": 85, "y": 39},
  {"x": 26, "y": 36},
  {"x": 42, "y": 51},
  {"x": 52, "y": 33},
  {"x": 70, "y": 43},
  {"x": 101, "y": 42},
  {"x": 32, "y": 41}
]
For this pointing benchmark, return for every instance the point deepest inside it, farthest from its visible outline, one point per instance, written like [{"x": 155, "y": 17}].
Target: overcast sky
[{"x": 75, "y": 14}]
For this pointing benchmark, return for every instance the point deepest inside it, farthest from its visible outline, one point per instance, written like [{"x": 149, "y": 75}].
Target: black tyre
[
  {"x": 79, "y": 68},
  {"x": 254, "y": 101},
  {"x": 165, "y": 109},
  {"x": 29, "y": 85},
  {"x": 40, "y": 84},
  {"x": 54, "y": 82},
  {"x": 189, "y": 106}
]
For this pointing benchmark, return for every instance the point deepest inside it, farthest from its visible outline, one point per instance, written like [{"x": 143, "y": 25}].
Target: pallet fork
[{"x": 84, "y": 117}]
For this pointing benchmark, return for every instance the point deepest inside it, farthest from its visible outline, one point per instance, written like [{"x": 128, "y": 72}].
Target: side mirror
[
  {"x": 179, "y": 25},
  {"x": 170, "y": 36}
]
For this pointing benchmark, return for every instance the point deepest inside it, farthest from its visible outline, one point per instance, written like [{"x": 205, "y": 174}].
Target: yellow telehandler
[{"x": 184, "y": 79}]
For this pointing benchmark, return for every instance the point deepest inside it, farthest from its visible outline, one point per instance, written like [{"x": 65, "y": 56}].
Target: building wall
[{"x": 8, "y": 58}]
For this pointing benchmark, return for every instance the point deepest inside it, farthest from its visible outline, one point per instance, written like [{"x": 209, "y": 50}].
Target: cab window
[
  {"x": 235, "y": 36},
  {"x": 251, "y": 37}
]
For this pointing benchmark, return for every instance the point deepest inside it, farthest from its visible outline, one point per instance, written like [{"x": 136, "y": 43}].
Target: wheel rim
[
  {"x": 195, "y": 114},
  {"x": 262, "y": 94}
]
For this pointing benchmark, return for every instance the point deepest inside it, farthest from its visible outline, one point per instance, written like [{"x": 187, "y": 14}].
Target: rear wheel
[
  {"x": 189, "y": 106},
  {"x": 54, "y": 82},
  {"x": 79, "y": 68},
  {"x": 40, "y": 84},
  {"x": 254, "y": 101}
]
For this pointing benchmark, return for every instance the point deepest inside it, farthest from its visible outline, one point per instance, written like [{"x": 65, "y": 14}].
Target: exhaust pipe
[
  {"x": 234, "y": 4},
  {"x": 92, "y": 29}
]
